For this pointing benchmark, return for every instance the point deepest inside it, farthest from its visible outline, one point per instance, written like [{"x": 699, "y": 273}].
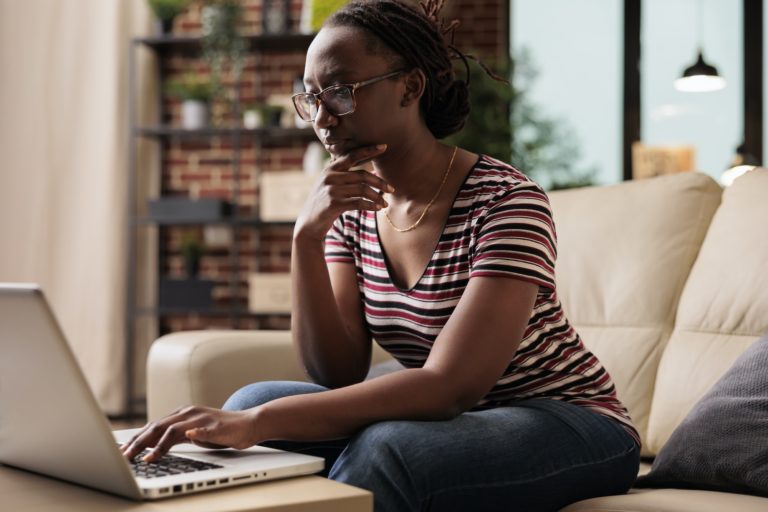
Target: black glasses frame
[{"x": 318, "y": 97}]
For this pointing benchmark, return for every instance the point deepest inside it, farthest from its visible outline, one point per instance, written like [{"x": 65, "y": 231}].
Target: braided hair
[{"x": 417, "y": 40}]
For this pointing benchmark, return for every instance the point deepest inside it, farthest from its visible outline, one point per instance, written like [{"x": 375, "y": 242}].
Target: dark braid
[{"x": 417, "y": 39}]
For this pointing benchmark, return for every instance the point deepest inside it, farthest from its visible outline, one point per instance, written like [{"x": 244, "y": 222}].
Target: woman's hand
[
  {"x": 340, "y": 189},
  {"x": 204, "y": 426}
]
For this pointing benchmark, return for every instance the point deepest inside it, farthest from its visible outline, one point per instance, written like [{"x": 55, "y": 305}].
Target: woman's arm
[
  {"x": 472, "y": 351},
  {"x": 469, "y": 355},
  {"x": 327, "y": 322}
]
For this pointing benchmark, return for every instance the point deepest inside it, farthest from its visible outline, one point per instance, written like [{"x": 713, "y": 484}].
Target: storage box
[
  {"x": 186, "y": 293},
  {"x": 183, "y": 209},
  {"x": 649, "y": 161},
  {"x": 283, "y": 194},
  {"x": 269, "y": 292}
]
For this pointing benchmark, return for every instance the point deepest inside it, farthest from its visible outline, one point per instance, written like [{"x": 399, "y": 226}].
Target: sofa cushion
[
  {"x": 722, "y": 309},
  {"x": 723, "y": 442},
  {"x": 624, "y": 253},
  {"x": 671, "y": 500}
]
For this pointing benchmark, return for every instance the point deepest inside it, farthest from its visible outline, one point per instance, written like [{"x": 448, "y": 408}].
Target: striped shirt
[{"x": 500, "y": 225}]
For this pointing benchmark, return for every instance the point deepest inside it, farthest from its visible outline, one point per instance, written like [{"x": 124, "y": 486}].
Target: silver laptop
[{"x": 51, "y": 424}]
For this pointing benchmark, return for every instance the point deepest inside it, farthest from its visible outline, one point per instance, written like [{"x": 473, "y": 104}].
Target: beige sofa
[{"x": 666, "y": 279}]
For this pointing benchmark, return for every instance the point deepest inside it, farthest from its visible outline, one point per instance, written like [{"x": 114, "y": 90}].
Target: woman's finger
[
  {"x": 359, "y": 190},
  {"x": 357, "y": 156},
  {"x": 173, "y": 435},
  {"x": 145, "y": 438},
  {"x": 150, "y": 434},
  {"x": 358, "y": 175}
]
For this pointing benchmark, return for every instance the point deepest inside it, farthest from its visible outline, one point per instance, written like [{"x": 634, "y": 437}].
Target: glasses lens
[
  {"x": 338, "y": 100},
  {"x": 306, "y": 106}
]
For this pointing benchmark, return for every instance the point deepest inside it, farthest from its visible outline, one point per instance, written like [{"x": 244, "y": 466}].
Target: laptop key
[{"x": 168, "y": 465}]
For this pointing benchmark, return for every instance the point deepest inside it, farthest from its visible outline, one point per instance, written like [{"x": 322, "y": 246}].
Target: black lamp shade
[
  {"x": 700, "y": 68},
  {"x": 701, "y": 77}
]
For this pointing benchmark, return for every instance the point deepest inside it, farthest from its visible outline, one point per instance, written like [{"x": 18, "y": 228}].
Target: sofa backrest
[
  {"x": 723, "y": 308},
  {"x": 624, "y": 254}
]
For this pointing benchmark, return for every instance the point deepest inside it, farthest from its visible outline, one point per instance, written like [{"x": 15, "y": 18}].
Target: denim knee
[
  {"x": 260, "y": 393},
  {"x": 380, "y": 458}
]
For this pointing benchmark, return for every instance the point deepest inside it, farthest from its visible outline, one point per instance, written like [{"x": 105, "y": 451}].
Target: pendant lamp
[{"x": 700, "y": 77}]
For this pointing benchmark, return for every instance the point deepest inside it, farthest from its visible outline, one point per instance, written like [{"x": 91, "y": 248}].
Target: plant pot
[
  {"x": 271, "y": 117},
  {"x": 252, "y": 119},
  {"x": 164, "y": 27},
  {"x": 194, "y": 114},
  {"x": 192, "y": 266}
]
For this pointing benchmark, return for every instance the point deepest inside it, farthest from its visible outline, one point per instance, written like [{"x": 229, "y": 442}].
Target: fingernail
[
  {"x": 390, "y": 188},
  {"x": 381, "y": 146}
]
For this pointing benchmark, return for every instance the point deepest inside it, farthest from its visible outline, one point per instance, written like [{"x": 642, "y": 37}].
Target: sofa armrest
[{"x": 206, "y": 367}]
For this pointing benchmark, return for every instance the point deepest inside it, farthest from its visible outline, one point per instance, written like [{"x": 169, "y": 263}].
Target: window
[
  {"x": 711, "y": 122},
  {"x": 577, "y": 48}
]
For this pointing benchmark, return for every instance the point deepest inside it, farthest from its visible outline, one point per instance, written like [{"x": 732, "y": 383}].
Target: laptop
[{"x": 51, "y": 424}]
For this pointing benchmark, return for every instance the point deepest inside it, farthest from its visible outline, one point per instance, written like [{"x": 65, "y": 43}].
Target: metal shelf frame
[{"x": 164, "y": 47}]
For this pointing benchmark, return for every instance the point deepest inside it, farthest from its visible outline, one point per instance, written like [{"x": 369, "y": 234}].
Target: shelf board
[
  {"x": 168, "y": 311},
  {"x": 262, "y": 42},
  {"x": 265, "y": 134},
  {"x": 239, "y": 221}
]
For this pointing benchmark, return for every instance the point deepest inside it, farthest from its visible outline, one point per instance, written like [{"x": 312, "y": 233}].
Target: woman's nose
[{"x": 324, "y": 118}]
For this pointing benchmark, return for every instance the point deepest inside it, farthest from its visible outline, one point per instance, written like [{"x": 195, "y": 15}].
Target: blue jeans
[{"x": 534, "y": 455}]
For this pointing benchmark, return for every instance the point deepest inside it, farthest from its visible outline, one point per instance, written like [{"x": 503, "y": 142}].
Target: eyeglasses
[{"x": 339, "y": 100}]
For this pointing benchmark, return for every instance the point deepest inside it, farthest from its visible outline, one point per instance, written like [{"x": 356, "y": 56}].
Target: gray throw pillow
[{"x": 723, "y": 442}]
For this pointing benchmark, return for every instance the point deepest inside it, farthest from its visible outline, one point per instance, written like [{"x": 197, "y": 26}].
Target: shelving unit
[{"x": 164, "y": 135}]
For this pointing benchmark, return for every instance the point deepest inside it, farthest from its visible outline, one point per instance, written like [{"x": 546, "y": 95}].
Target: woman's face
[{"x": 339, "y": 55}]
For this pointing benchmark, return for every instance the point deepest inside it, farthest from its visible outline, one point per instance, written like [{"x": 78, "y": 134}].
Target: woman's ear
[{"x": 415, "y": 82}]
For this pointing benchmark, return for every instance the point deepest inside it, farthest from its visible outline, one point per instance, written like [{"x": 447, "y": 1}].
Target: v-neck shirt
[{"x": 500, "y": 225}]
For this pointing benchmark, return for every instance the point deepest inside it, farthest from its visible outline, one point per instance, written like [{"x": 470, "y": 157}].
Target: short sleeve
[
  {"x": 337, "y": 249},
  {"x": 516, "y": 238}
]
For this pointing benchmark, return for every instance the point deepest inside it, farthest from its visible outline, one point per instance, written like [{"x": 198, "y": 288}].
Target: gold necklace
[{"x": 429, "y": 204}]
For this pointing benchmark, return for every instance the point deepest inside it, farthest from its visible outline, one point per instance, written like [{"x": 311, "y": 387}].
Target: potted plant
[
  {"x": 192, "y": 292},
  {"x": 221, "y": 41},
  {"x": 270, "y": 114},
  {"x": 165, "y": 11},
  {"x": 195, "y": 92},
  {"x": 252, "y": 117},
  {"x": 192, "y": 249}
]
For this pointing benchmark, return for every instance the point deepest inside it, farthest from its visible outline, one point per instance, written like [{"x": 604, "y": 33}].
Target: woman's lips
[{"x": 335, "y": 146}]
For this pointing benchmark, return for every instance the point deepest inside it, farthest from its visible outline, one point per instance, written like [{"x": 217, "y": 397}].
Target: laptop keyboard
[{"x": 168, "y": 465}]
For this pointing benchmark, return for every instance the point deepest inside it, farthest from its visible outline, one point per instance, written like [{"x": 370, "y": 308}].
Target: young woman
[{"x": 446, "y": 259}]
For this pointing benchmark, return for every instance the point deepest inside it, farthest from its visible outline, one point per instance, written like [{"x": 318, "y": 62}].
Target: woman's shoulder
[{"x": 493, "y": 180}]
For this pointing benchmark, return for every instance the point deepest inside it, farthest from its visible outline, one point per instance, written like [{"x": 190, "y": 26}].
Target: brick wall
[{"x": 203, "y": 168}]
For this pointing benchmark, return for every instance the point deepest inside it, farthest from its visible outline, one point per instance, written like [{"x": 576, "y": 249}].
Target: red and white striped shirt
[{"x": 500, "y": 225}]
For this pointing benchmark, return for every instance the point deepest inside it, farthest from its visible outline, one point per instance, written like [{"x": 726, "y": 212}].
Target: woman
[{"x": 445, "y": 258}]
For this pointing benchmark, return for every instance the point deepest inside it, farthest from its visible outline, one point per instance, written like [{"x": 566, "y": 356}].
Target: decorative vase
[
  {"x": 194, "y": 114},
  {"x": 252, "y": 119},
  {"x": 276, "y": 16},
  {"x": 164, "y": 27},
  {"x": 192, "y": 266}
]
